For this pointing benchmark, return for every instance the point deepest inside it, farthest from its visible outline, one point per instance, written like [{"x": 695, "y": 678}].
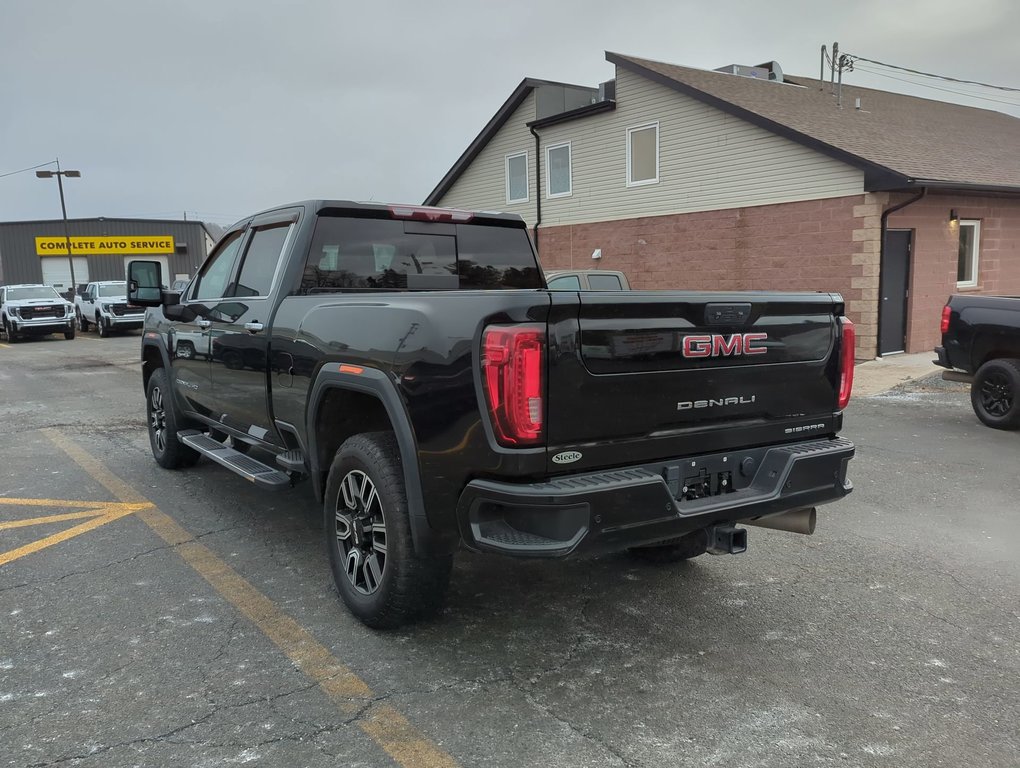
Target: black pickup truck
[
  {"x": 412, "y": 365},
  {"x": 981, "y": 345}
]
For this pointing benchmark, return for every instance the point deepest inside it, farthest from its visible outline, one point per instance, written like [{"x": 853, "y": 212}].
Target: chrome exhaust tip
[{"x": 794, "y": 521}]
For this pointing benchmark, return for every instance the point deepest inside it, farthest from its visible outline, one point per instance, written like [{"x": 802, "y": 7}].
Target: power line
[
  {"x": 26, "y": 170},
  {"x": 937, "y": 88},
  {"x": 854, "y": 57}
]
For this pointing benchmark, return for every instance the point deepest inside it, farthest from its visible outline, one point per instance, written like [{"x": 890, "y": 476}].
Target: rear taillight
[
  {"x": 513, "y": 359},
  {"x": 846, "y": 362},
  {"x": 946, "y": 312}
]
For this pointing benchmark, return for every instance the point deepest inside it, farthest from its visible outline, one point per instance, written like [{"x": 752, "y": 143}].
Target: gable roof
[
  {"x": 498, "y": 120},
  {"x": 898, "y": 141}
]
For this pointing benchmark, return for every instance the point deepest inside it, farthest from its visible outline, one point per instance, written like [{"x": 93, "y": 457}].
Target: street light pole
[{"x": 63, "y": 212}]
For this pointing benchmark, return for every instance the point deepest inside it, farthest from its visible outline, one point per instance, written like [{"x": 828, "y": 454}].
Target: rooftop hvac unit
[
  {"x": 759, "y": 73},
  {"x": 607, "y": 91}
]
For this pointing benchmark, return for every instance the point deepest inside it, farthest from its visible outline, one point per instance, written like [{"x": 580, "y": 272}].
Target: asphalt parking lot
[{"x": 153, "y": 618}]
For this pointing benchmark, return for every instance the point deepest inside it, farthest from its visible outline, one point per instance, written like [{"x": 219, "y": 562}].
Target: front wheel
[
  {"x": 376, "y": 570},
  {"x": 12, "y": 337},
  {"x": 83, "y": 324},
  {"x": 69, "y": 333},
  {"x": 102, "y": 325},
  {"x": 995, "y": 393},
  {"x": 169, "y": 452}
]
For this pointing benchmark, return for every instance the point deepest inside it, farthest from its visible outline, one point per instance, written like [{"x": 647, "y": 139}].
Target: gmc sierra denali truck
[
  {"x": 981, "y": 346},
  {"x": 412, "y": 365}
]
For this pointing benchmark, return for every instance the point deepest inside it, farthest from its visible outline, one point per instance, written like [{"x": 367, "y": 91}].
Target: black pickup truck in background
[
  {"x": 981, "y": 345},
  {"x": 412, "y": 365}
]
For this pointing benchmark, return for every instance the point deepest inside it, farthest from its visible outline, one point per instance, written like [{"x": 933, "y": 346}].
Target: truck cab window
[{"x": 212, "y": 283}]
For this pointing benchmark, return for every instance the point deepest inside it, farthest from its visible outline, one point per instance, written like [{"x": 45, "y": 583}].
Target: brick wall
[
  {"x": 935, "y": 253},
  {"x": 816, "y": 245}
]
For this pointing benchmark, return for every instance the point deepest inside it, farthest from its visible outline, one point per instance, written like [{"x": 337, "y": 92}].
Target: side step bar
[{"x": 247, "y": 467}]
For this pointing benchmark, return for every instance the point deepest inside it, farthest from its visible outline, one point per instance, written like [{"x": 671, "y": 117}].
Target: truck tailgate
[{"x": 664, "y": 374}]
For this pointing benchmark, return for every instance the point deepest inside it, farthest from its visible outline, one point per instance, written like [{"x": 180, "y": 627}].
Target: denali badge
[
  {"x": 717, "y": 345},
  {"x": 567, "y": 457},
  {"x": 687, "y": 405}
]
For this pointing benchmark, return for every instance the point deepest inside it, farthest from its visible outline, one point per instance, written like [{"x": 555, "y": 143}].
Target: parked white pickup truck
[
  {"x": 104, "y": 304},
  {"x": 34, "y": 310}
]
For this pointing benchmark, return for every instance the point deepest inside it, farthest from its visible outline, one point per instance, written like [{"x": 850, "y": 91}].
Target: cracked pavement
[{"x": 889, "y": 638}]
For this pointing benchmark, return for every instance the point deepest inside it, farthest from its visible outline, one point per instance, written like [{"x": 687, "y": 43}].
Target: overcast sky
[{"x": 222, "y": 108}]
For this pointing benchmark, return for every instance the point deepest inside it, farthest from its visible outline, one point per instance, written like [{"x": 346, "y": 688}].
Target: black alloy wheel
[
  {"x": 995, "y": 393},
  {"x": 360, "y": 527},
  {"x": 167, "y": 450},
  {"x": 382, "y": 580}
]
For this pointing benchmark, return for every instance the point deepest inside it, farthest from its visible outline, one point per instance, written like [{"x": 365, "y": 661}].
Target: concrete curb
[{"x": 873, "y": 377}]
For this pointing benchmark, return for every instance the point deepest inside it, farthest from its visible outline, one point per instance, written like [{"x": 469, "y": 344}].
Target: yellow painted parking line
[
  {"x": 50, "y": 519},
  {"x": 4, "y": 346},
  {"x": 73, "y": 503},
  {"x": 380, "y": 722},
  {"x": 117, "y": 511}
]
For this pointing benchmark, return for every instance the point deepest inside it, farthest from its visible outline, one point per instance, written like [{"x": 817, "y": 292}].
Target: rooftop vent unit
[{"x": 759, "y": 73}]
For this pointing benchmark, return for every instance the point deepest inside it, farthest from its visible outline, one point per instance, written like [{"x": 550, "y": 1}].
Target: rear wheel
[
  {"x": 674, "y": 551},
  {"x": 995, "y": 393},
  {"x": 169, "y": 452},
  {"x": 376, "y": 570}
]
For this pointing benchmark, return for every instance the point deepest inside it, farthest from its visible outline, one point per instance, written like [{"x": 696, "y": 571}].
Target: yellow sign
[{"x": 99, "y": 246}]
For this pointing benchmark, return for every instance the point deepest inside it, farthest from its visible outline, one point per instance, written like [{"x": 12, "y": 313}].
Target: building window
[
  {"x": 517, "y": 178},
  {"x": 967, "y": 264},
  {"x": 557, "y": 163},
  {"x": 643, "y": 155}
]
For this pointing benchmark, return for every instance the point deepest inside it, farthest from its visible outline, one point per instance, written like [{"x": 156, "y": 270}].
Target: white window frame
[
  {"x": 570, "y": 171},
  {"x": 975, "y": 254},
  {"x": 631, "y": 130},
  {"x": 527, "y": 178}
]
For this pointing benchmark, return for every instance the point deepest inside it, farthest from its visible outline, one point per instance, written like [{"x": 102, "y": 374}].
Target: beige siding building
[{"x": 689, "y": 179}]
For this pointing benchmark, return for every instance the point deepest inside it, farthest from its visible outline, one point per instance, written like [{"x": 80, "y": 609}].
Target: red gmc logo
[{"x": 717, "y": 345}]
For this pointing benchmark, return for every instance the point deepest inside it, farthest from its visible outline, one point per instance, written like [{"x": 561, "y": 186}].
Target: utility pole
[{"x": 63, "y": 211}]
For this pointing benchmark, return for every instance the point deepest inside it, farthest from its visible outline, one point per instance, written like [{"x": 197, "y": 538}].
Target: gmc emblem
[{"x": 717, "y": 345}]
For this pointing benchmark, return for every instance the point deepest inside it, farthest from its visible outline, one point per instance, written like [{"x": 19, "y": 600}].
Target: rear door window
[
  {"x": 350, "y": 253},
  {"x": 261, "y": 260},
  {"x": 604, "y": 283}
]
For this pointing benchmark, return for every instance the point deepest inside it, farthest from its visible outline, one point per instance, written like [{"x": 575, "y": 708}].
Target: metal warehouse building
[{"x": 36, "y": 251}]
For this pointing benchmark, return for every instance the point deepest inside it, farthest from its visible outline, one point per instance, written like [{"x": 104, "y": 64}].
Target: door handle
[
  {"x": 253, "y": 327},
  {"x": 203, "y": 323}
]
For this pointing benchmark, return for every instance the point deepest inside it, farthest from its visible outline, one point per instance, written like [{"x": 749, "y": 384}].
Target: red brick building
[{"x": 689, "y": 179}]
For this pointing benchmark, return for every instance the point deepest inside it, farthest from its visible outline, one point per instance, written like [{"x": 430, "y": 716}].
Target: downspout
[
  {"x": 538, "y": 183},
  {"x": 881, "y": 258}
]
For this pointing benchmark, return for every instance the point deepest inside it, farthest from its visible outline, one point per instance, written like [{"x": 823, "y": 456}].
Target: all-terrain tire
[
  {"x": 995, "y": 393},
  {"x": 163, "y": 421},
  {"x": 366, "y": 506}
]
